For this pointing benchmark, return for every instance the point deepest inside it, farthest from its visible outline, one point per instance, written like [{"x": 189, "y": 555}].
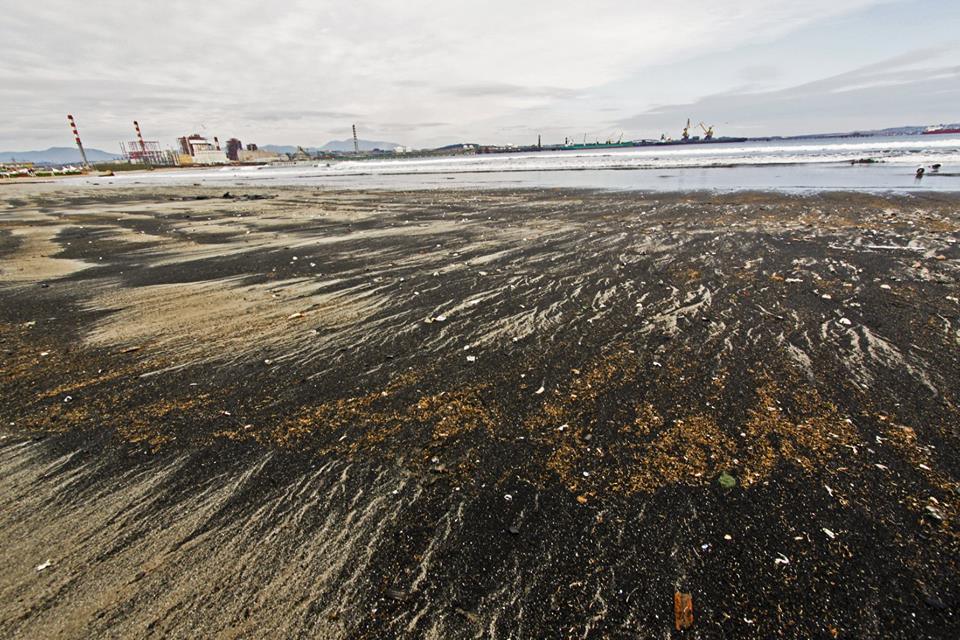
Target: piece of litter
[
  {"x": 657, "y": 364},
  {"x": 727, "y": 481},
  {"x": 539, "y": 391},
  {"x": 562, "y": 427},
  {"x": 682, "y": 610},
  {"x": 441, "y": 318},
  {"x": 471, "y": 358},
  {"x": 398, "y": 594},
  {"x": 830, "y": 534},
  {"x": 294, "y": 315},
  {"x": 727, "y": 536},
  {"x": 782, "y": 559},
  {"x": 845, "y": 322},
  {"x": 507, "y": 497},
  {"x": 44, "y": 353},
  {"x": 827, "y": 296},
  {"x": 43, "y": 565}
]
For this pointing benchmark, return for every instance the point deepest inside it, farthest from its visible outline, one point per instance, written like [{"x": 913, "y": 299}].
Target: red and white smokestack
[
  {"x": 76, "y": 137},
  {"x": 143, "y": 145}
]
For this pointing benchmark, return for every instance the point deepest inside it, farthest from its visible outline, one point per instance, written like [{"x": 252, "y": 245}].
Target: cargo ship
[{"x": 941, "y": 129}]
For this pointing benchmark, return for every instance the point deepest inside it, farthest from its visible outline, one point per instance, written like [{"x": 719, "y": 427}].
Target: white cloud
[{"x": 318, "y": 66}]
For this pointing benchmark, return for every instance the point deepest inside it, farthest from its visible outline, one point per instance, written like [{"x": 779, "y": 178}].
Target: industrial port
[{"x": 204, "y": 150}]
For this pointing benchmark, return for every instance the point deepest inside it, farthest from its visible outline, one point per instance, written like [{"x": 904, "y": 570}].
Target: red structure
[
  {"x": 146, "y": 152},
  {"x": 76, "y": 136},
  {"x": 143, "y": 145}
]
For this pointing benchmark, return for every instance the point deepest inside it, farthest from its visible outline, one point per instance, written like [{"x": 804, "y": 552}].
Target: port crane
[
  {"x": 707, "y": 132},
  {"x": 686, "y": 131}
]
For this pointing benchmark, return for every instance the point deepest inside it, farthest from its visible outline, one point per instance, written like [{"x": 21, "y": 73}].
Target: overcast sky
[{"x": 426, "y": 73}]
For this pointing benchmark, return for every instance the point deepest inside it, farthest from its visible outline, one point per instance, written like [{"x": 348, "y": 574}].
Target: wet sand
[{"x": 295, "y": 412}]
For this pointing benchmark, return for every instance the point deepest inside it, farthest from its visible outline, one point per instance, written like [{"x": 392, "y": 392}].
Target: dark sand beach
[{"x": 302, "y": 413}]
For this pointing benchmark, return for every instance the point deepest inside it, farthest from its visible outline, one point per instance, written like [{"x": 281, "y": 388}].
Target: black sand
[{"x": 477, "y": 414}]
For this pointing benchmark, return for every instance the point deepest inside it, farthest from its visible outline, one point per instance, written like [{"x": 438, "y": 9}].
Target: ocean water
[{"x": 798, "y": 165}]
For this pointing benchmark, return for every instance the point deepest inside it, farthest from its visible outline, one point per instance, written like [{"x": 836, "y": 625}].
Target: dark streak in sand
[{"x": 459, "y": 414}]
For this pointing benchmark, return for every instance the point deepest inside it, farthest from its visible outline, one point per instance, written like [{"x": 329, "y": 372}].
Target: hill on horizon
[
  {"x": 333, "y": 145},
  {"x": 57, "y": 155}
]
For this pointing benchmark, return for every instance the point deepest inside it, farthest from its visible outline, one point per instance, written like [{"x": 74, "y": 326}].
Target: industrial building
[
  {"x": 234, "y": 147},
  {"x": 146, "y": 152},
  {"x": 195, "y": 149}
]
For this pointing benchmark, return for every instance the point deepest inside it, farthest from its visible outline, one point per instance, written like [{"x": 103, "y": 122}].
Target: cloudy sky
[{"x": 426, "y": 73}]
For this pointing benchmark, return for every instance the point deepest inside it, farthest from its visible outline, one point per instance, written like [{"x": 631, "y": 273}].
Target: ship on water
[{"x": 940, "y": 128}]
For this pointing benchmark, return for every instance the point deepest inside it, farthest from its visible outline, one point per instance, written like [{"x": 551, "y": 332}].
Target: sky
[{"x": 428, "y": 73}]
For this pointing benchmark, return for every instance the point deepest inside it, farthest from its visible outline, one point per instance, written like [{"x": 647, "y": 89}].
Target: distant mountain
[
  {"x": 57, "y": 155},
  {"x": 889, "y": 131},
  {"x": 333, "y": 145}
]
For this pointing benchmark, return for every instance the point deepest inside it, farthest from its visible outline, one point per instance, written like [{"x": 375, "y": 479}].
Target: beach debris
[
  {"x": 298, "y": 314},
  {"x": 441, "y": 318},
  {"x": 129, "y": 349},
  {"x": 727, "y": 481},
  {"x": 507, "y": 497},
  {"x": 934, "y": 511},
  {"x": 539, "y": 391},
  {"x": 44, "y": 353},
  {"x": 830, "y": 534},
  {"x": 727, "y": 536},
  {"x": 885, "y": 287},
  {"x": 471, "y": 358},
  {"x": 781, "y": 559},
  {"x": 845, "y": 322},
  {"x": 827, "y": 296},
  {"x": 68, "y": 399},
  {"x": 268, "y": 362},
  {"x": 43, "y": 565},
  {"x": 398, "y": 594},
  {"x": 682, "y": 610}
]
